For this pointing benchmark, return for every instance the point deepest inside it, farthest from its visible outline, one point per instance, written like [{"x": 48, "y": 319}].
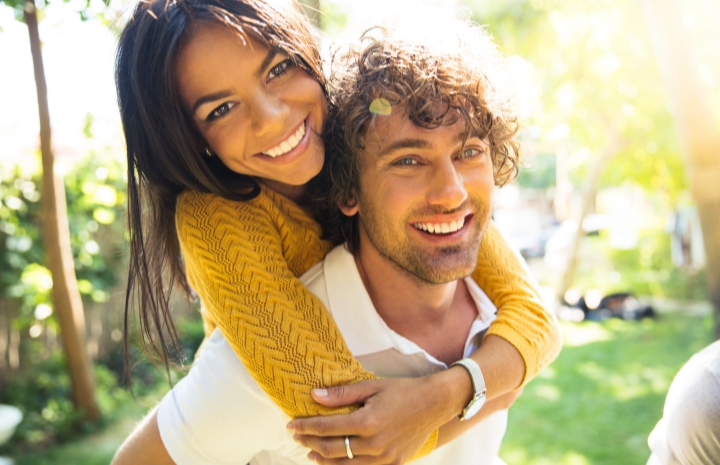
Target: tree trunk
[
  {"x": 56, "y": 233},
  {"x": 612, "y": 147},
  {"x": 312, "y": 10},
  {"x": 699, "y": 136}
]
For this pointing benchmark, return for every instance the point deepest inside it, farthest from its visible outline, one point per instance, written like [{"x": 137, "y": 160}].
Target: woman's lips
[{"x": 296, "y": 151}]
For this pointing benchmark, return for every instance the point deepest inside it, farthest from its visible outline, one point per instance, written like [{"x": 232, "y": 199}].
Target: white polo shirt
[{"x": 218, "y": 414}]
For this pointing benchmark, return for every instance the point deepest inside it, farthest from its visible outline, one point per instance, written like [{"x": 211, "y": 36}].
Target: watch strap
[{"x": 478, "y": 380}]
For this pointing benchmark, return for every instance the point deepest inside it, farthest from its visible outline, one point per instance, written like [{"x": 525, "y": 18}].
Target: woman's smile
[{"x": 288, "y": 144}]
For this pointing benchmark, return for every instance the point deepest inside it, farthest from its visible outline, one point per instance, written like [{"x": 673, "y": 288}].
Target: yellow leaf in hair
[{"x": 380, "y": 106}]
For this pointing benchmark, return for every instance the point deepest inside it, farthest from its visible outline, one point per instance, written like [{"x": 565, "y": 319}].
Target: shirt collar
[{"x": 362, "y": 327}]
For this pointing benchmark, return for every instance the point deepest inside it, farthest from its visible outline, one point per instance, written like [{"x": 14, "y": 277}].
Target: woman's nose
[{"x": 269, "y": 115}]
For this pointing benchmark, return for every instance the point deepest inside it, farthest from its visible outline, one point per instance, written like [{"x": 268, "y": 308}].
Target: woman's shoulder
[
  {"x": 190, "y": 203},
  {"x": 195, "y": 208}
]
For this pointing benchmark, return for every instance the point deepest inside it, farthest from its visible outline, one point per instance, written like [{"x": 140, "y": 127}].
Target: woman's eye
[
  {"x": 405, "y": 162},
  {"x": 220, "y": 111},
  {"x": 279, "y": 69}
]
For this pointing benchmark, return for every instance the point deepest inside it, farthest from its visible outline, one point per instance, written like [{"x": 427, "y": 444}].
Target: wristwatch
[{"x": 478, "y": 381}]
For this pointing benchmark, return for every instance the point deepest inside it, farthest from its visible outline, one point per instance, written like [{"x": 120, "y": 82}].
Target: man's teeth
[
  {"x": 441, "y": 228},
  {"x": 287, "y": 145}
]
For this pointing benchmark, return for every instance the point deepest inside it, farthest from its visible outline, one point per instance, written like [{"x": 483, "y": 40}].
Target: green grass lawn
[
  {"x": 595, "y": 405},
  {"x": 600, "y": 399}
]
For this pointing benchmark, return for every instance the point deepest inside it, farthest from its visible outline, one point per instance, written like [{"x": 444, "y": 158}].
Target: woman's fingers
[
  {"x": 329, "y": 426},
  {"x": 333, "y": 451},
  {"x": 397, "y": 418},
  {"x": 358, "y": 460},
  {"x": 330, "y": 448},
  {"x": 339, "y": 396}
]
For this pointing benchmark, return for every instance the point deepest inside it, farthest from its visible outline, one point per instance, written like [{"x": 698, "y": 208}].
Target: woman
[{"x": 223, "y": 132}]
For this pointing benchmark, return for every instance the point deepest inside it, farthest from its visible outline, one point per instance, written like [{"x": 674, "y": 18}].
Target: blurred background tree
[
  {"x": 66, "y": 300},
  {"x": 698, "y": 129}
]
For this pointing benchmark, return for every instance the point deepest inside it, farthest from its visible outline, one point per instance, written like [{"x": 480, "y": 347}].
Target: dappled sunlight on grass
[
  {"x": 632, "y": 381},
  {"x": 601, "y": 398},
  {"x": 577, "y": 335},
  {"x": 546, "y": 391}
]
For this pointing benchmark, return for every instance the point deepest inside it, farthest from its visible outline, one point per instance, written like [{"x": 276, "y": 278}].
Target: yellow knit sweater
[{"x": 243, "y": 260}]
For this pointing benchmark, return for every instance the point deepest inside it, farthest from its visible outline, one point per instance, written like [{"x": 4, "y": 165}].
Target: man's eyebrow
[
  {"x": 266, "y": 62},
  {"x": 210, "y": 98},
  {"x": 404, "y": 144}
]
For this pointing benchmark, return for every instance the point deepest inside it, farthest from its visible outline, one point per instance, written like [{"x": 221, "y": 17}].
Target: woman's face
[{"x": 257, "y": 111}]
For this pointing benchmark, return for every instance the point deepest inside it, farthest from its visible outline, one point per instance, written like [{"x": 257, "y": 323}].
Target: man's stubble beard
[{"x": 444, "y": 265}]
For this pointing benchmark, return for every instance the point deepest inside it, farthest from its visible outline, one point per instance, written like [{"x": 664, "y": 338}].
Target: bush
[
  {"x": 43, "y": 393},
  {"x": 95, "y": 191}
]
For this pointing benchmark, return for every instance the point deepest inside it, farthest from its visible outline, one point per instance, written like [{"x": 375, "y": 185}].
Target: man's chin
[{"x": 445, "y": 269}]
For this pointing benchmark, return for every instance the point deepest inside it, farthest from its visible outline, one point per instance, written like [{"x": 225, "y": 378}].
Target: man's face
[{"x": 425, "y": 198}]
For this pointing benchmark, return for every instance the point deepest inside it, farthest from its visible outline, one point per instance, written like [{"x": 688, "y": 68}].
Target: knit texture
[
  {"x": 521, "y": 318},
  {"x": 243, "y": 259}
]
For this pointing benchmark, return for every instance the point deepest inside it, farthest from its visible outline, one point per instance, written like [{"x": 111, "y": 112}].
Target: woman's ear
[{"x": 350, "y": 208}]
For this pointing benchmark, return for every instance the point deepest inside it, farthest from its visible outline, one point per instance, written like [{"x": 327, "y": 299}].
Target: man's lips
[{"x": 442, "y": 226}]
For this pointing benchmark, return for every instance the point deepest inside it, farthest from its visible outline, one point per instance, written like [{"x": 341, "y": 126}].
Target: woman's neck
[{"x": 297, "y": 194}]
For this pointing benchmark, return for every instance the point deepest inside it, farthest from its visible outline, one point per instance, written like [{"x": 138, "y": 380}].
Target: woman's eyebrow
[
  {"x": 266, "y": 62},
  {"x": 210, "y": 98}
]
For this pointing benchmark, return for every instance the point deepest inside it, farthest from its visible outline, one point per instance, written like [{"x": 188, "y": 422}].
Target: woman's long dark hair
[{"x": 165, "y": 150}]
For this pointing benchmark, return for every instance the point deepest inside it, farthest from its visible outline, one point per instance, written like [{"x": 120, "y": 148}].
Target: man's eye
[
  {"x": 472, "y": 153},
  {"x": 405, "y": 162},
  {"x": 220, "y": 111},
  {"x": 279, "y": 69}
]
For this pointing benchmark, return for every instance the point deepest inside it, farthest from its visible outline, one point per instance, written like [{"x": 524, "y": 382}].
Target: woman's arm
[{"x": 522, "y": 320}]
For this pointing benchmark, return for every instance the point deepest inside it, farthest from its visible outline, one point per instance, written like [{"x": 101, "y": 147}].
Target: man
[{"x": 421, "y": 140}]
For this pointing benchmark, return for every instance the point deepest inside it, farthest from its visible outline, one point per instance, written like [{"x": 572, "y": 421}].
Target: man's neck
[{"x": 430, "y": 315}]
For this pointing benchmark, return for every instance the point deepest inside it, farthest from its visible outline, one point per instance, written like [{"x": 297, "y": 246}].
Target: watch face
[{"x": 474, "y": 406}]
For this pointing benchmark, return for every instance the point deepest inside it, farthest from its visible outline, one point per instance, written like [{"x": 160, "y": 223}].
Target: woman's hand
[{"x": 397, "y": 418}]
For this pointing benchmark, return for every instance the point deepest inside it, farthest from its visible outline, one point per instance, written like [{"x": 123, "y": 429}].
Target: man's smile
[{"x": 441, "y": 226}]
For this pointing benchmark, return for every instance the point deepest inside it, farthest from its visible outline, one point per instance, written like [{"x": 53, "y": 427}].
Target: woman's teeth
[
  {"x": 287, "y": 145},
  {"x": 441, "y": 228}
]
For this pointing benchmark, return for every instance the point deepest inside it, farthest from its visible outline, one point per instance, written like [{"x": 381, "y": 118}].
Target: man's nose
[
  {"x": 446, "y": 187},
  {"x": 269, "y": 114}
]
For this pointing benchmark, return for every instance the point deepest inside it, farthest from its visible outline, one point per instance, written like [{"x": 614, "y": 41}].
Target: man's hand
[{"x": 397, "y": 418}]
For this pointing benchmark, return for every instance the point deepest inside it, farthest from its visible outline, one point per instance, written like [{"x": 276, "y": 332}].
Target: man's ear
[{"x": 350, "y": 208}]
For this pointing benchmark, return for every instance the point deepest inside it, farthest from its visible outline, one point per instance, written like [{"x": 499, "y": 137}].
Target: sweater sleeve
[{"x": 522, "y": 319}]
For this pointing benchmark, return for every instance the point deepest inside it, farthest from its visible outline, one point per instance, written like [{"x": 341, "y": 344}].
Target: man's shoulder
[{"x": 314, "y": 279}]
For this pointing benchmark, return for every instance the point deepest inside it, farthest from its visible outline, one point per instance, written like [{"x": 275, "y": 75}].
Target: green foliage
[
  {"x": 95, "y": 191},
  {"x": 95, "y": 194},
  {"x": 87, "y": 9},
  {"x": 597, "y": 79},
  {"x": 646, "y": 270},
  {"x": 43, "y": 394},
  {"x": 539, "y": 172}
]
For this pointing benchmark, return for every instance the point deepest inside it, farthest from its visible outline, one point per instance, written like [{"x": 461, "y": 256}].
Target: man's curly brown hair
[{"x": 434, "y": 80}]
